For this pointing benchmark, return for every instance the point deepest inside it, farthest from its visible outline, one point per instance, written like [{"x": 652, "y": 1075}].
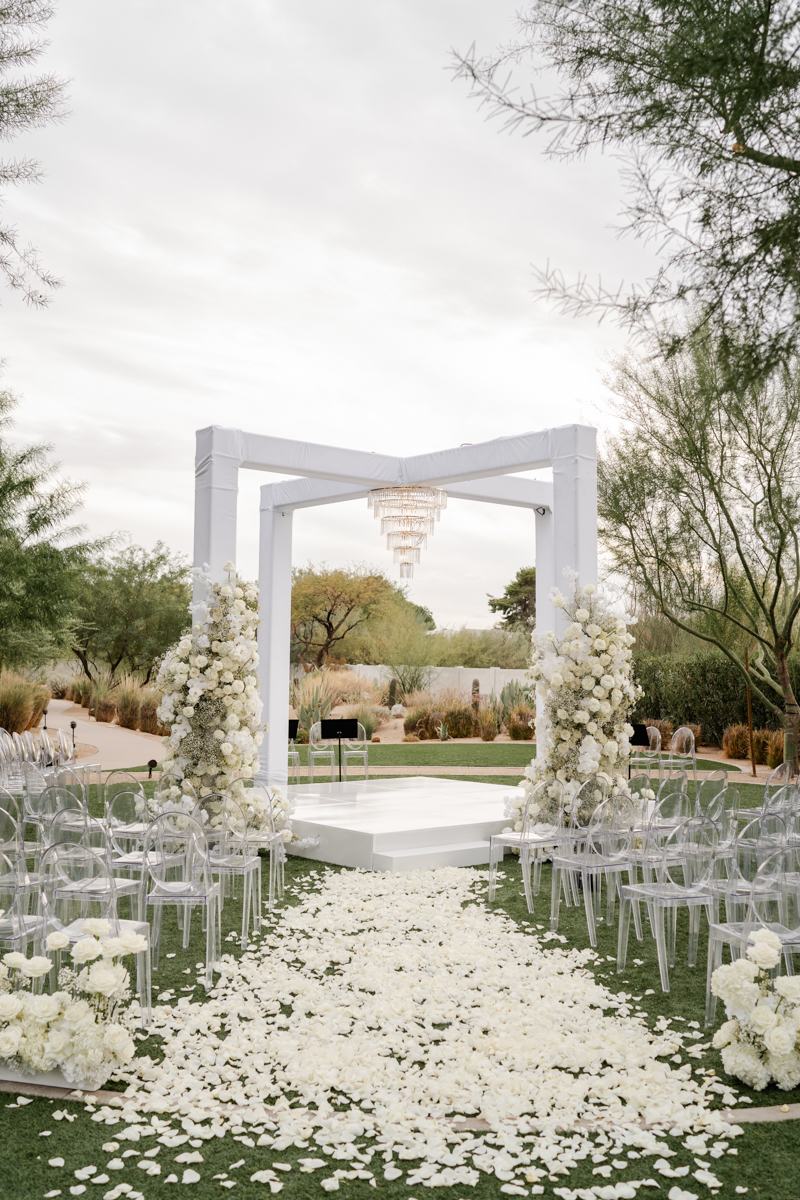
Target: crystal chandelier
[{"x": 408, "y": 515}]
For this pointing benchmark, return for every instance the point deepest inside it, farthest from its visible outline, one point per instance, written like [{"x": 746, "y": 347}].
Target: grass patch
[
  {"x": 767, "y": 1162},
  {"x": 465, "y": 754}
]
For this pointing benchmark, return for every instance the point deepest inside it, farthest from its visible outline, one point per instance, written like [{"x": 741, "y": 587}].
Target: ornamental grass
[{"x": 17, "y": 702}]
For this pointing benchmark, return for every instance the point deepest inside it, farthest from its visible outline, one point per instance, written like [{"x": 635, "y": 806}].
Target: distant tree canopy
[
  {"x": 518, "y": 601},
  {"x": 702, "y": 100},
  {"x": 335, "y": 609},
  {"x": 131, "y": 607},
  {"x": 42, "y": 554}
]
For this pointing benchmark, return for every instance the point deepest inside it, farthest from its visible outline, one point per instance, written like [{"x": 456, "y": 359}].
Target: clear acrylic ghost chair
[
  {"x": 320, "y": 751},
  {"x": 76, "y": 885},
  {"x": 35, "y": 781},
  {"x": 16, "y": 807},
  {"x": 48, "y": 750},
  {"x": 682, "y": 751},
  {"x": 673, "y": 781},
  {"x": 173, "y": 792},
  {"x": 708, "y": 790},
  {"x": 681, "y": 880},
  {"x": 225, "y": 826},
  {"x": 294, "y": 762},
  {"x": 780, "y": 800},
  {"x": 602, "y": 856},
  {"x": 649, "y": 760},
  {"x": 356, "y": 751},
  {"x": 120, "y": 781},
  {"x": 272, "y": 840},
  {"x": 193, "y": 886},
  {"x": 126, "y": 819},
  {"x": 536, "y": 835},
  {"x": 65, "y": 749},
  {"x": 774, "y": 904},
  {"x": 779, "y": 778},
  {"x": 758, "y": 840},
  {"x": 73, "y": 780},
  {"x": 16, "y": 925},
  {"x": 575, "y": 822},
  {"x": 11, "y": 843}
]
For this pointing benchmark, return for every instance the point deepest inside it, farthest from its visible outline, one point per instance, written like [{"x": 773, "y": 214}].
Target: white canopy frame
[{"x": 565, "y": 514}]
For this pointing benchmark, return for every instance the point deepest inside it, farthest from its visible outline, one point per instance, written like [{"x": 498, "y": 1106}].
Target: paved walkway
[{"x": 109, "y": 745}]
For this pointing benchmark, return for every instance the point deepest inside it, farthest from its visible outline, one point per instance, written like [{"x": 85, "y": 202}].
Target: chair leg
[
  {"x": 257, "y": 898},
  {"x": 624, "y": 931},
  {"x": 589, "y": 904},
  {"x": 245, "y": 908},
  {"x": 714, "y": 960},
  {"x": 525, "y": 867},
  {"x": 694, "y": 933},
  {"x": 637, "y": 910},
  {"x": 495, "y": 853},
  {"x": 555, "y": 897},
  {"x": 658, "y": 914},
  {"x": 672, "y": 928}
]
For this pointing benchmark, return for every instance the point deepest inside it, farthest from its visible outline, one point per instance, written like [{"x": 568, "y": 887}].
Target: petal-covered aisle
[{"x": 384, "y": 1009}]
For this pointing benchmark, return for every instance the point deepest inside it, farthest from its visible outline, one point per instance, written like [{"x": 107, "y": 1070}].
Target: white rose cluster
[
  {"x": 81, "y": 1029},
  {"x": 586, "y": 693},
  {"x": 261, "y": 809},
  {"x": 210, "y": 702},
  {"x": 760, "y": 1041}
]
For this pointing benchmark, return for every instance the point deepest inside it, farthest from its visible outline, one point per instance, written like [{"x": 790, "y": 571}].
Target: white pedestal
[{"x": 50, "y": 1079}]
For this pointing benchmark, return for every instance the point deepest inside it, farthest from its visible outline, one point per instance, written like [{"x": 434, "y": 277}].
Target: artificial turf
[{"x": 767, "y": 1160}]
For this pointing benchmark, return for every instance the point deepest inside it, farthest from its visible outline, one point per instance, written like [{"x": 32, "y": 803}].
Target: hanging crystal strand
[{"x": 408, "y": 516}]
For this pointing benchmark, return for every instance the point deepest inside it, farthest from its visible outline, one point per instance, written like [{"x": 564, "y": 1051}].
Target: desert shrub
[
  {"x": 761, "y": 740},
  {"x": 421, "y": 698},
  {"x": 519, "y": 724},
  {"x": 704, "y": 689},
  {"x": 104, "y": 701},
  {"x": 365, "y": 714},
  {"x": 774, "y": 756},
  {"x": 415, "y": 721},
  {"x": 41, "y": 698},
  {"x": 59, "y": 685},
  {"x": 665, "y": 728},
  {"x": 487, "y": 725},
  {"x": 736, "y": 742},
  {"x": 697, "y": 731},
  {"x": 128, "y": 693},
  {"x": 16, "y": 702},
  {"x": 148, "y": 720},
  {"x": 460, "y": 721},
  {"x": 80, "y": 688},
  {"x": 412, "y": 737}
]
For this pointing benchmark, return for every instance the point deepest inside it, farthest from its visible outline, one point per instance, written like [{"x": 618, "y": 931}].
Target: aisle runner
[{"x": 408, "y": 1009}]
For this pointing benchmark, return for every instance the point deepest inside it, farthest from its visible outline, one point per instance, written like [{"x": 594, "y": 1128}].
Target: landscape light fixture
[
  {"x": 152, "y": 764},
  {"x": 73, "y": 726},
  {"x": 44, "y": 714}
]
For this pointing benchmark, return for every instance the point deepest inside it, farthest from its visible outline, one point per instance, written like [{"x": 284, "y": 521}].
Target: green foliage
[
  {"x": 16, "y": 702},
  {"x": 518, "y": 602},
  {"x": 460, "y": 721},
  {"x": 41, "y": 559},
  {"x": 702, "y": 102},
  {"x": 312, "y": 699},
  {"x": 515, "y": 695},
  {"x": 336, "y": 611},
  {"x": 704, "y": 689},
  {"x": 132, "y": 606}
]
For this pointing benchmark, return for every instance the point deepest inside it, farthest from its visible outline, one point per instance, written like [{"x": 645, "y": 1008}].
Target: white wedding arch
[{"x": 565, "y": 513}]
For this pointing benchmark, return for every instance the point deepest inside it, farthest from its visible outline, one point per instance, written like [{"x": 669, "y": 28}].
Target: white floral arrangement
[
  {"x": 210, "y": 701},
  {"x": 586, "y": 694},
  {"x": 760, "y": 1041},
  {"x": 262, "y": 809},
  {"x": 83, "y": 1029}
]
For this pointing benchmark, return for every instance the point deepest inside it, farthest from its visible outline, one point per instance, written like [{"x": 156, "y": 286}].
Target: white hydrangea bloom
[{"x": 586, "y": 693}]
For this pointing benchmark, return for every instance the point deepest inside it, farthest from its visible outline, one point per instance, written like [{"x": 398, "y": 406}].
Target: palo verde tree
[
  {"x": 701, "y": 99},
  {"x": 331, "y": 606},
  {"x": 699, "y": 504},
  {"x": 26, "y": 102}
]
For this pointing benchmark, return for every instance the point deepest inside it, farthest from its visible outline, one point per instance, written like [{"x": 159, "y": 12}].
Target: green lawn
[{"x": 767, "y": 1162}]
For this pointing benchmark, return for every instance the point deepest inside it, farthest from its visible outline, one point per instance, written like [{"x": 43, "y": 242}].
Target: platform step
[{"x": 454, "y": 854}]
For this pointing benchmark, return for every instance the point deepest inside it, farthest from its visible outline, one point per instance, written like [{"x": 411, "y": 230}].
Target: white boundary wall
[{"x": 459, "y": 679}]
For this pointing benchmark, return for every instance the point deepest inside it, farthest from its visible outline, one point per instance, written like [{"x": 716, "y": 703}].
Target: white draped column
[
  {"x": 574, "y": 521},
  {"x": 215, "y": 502},
  {"x": 275, "y": 598}
]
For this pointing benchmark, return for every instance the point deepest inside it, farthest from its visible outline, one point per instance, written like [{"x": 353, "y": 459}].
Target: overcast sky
[{"x": 287, "y": 217}]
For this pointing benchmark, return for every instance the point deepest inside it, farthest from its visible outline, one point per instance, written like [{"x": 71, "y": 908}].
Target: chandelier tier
[{"x": 407, "y": 515}]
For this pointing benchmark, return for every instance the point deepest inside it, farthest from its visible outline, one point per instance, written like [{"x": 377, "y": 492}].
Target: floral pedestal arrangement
[{"x": 77, "y": 1035}]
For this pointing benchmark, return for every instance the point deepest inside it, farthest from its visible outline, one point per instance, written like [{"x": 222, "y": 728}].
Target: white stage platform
[{"x": 399, "y": 824}]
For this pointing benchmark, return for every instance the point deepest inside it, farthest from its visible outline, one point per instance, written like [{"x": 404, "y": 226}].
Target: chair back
[
  {"x": 774, "y": 901},
  {"x": 35, "y": 781},
  {"x": 68, "y": 777},
  {"x": 12, "y": 911},
  {"x": 779, "y": 799},
  {"x": 66, "y": 750},
  {"x": 780, "y": 777},
  {"x": 689, "y": 854},
  {"x": 75, "y": 883},
  {"x": 224, "y": 824},
  {"x": 587, "y": 798},
  {"x": 174, "y": 793},
  {"x": 176, "y": 842},
  {"x": 315, "y": 740},
  {"x": 12, "y": 805},
  {"x": 75, "y": 826},
  {"x": 723, "y": 810},
  {"x": 48, "y": 749},
  {"x": 11, "y": 839},
  {"x": 708, "y": 790},
  {"x": 682, "y": 743},
  {"x": 671, "y": 810},
  {"x": 609, "y": 833},
  {"x": 120, "y": 781},
  {"x": 674, "y": 781},
  {"x": 360, "y": 742},
  {"x": 54, "y": 799}
]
